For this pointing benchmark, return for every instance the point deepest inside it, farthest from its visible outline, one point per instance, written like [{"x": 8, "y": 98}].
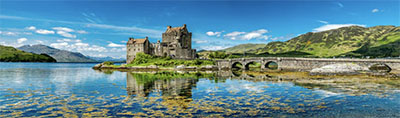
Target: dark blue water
[{"x": 76, "y": 90}]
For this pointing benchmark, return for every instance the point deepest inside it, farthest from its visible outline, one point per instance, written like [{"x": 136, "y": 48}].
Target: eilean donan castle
[{"x": 176, "y": 43}]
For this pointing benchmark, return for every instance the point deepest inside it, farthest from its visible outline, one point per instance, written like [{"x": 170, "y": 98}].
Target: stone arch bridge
[{"x": 303, "y": 64}]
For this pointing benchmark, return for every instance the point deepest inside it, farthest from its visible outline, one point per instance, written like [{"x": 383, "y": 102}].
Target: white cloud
[
  {"x": 21, "y": 40},
  {"x": 43, "y": 31},
  {"x": 334, "y": 26},
  {"x": 65, "y": 29},
  {"x": 137, "y": 30},
  {"x": 82, "y": 44},
  {"x": 78, "y": 47},
  {"x": 324, "y": 22},
  {"x": 10, "y": 33},
  {"x": 66, "y": 34},
  {"x": 115, "y": 45},
  {"x": 81, "y": 32},
  {"x": 234, "y": 34},
  {"x": 59, "y": 45},
  {"x": 14, "y": 33},
  {"x": 39, "y": 42},
  {"x": 257, "y": 34},
  {"x": 201, "y": 41},
  {"x": 287, "y": 37},
  {"x": 69, "y": 40},
  {"x": 31, "y": 28},
  {"x": 210, "y": 33},
  {"x": 375, "y": 10},
  {"x": 118, "y": 49},
  {"x": 213, "y": 47},
  {"x": 152, "y": 32}
]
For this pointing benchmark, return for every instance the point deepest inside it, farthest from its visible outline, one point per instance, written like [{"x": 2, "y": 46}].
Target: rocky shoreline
[
  {"x": 353, "y": 69},
  {"x": 328, "y": 70},
  {"x": 154, "y": 67}
]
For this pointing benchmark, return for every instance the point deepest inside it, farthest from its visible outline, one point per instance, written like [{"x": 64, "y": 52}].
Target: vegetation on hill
[
  {"x": 143, "y": 59},
  {"x": 59, "y": 55},
  {"x": 216, "y": 55},
  {"x": 10, "y": 54},
  {"x": 244, "y": 48},
  {"x": 353, "y": 41}
]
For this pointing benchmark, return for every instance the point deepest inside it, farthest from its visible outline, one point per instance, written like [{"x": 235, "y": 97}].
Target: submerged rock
[
  {"x": 209, "y": 67},
  {"x": 380, "y": 68},
  {"x": 97, "y": 66},
  {"x": 339, "y": 69},
  {"x": 180, "y": 67}
]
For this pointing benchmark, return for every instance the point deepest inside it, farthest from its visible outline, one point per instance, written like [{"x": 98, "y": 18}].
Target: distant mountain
[
  {"x": 10, "y": 54},
  {"x": 356, "y": 41},
  {"x": 102, "y": 59},
  {"x": 244, "y": 48},
  {"x": 59, "y": 55}
]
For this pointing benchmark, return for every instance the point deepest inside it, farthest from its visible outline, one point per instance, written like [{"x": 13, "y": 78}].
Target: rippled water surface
[{"x": 75, "y": 90}]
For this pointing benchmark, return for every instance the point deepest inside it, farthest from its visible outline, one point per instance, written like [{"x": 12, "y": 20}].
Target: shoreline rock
[
  {"x": 339, "y": 69},
  {"x": 154, "y": 67}
]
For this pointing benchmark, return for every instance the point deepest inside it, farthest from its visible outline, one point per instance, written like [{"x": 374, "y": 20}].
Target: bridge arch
[
  {"x": 255, "y": 64},
  {"x": 271, "y": 65},
  {"x": 237, "y": 66}
]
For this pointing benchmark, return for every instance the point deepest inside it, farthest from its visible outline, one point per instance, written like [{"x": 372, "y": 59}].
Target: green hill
[
  {"x": 10, "y": 54},
  {"x": 378, "y": 41},
  {"x": 244, "y": 48}
]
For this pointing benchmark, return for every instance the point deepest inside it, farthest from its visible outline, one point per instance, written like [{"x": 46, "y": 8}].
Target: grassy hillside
[
  {"x": 244, "y": 48},
  {"x": 10, "y": 54},
  {"x": 378, "y": 41}
]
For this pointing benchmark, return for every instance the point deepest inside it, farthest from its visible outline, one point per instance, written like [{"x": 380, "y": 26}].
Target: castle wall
[{"x": 133, "y": 49}]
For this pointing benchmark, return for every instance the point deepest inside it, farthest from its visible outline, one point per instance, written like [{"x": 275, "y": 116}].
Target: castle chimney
[
  {"x": 184, "y": 25},
  {"x": 169, "y": 27},
  {"x": 147, "y": 38},
  {"x": 130, "y": 38}
]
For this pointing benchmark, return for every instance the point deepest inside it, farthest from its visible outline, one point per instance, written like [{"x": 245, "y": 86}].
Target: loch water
[{"x": 76, "y": 90}]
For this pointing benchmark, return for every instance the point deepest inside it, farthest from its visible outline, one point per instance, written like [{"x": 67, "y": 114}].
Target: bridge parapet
[{"x": 303, "y": 64}]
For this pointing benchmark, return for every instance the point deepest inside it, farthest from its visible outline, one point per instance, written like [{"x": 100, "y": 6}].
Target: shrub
[
  {"x": 197, "y": 62},
  {"x": 218, "y": 55},
  {"x": 141, "y": 58},
  {"x": 108, "y": 63}
]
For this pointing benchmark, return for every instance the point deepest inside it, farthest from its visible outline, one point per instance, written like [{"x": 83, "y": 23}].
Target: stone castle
[{"x": 176, "y": 43}]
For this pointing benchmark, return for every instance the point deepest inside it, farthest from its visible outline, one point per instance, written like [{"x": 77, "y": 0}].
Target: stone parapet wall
[{"x": 305, "y": 64}]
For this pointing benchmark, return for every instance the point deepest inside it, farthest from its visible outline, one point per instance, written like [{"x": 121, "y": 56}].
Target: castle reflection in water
[{"x": 141, "y": 85}]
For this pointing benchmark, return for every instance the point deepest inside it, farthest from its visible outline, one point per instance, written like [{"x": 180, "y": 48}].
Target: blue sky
[{"x": 102, "y": 28}]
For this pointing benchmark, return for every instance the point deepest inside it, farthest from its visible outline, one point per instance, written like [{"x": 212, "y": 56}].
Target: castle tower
[
  {"x": 134, "y": 46},
  {"x": 176, "y": 43}
]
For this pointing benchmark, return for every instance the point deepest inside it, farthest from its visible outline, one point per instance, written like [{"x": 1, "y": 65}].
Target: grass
[{"x": 147, "y": 60}]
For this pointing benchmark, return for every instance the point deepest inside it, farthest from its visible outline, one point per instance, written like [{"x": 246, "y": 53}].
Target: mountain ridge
[
  {"x": 345, "y": 41},
  {"x": 59, "y": 55},
  {"x": 11, "y": 54}
]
